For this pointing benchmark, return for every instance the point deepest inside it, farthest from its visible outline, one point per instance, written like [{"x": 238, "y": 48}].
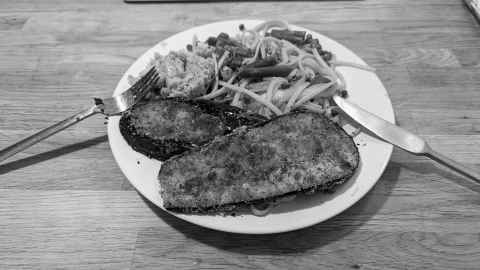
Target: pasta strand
[{"x": 258, "y": 98}]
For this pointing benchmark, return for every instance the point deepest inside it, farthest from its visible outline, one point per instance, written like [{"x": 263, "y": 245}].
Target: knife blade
[{"x": 400, "y": 137}]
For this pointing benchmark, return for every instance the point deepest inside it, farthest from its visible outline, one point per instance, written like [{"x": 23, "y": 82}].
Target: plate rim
[{"x": 297, "y": 226}]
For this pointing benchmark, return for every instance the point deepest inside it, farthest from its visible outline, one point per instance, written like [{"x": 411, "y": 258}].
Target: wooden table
[{"x": 65, "y": 204}]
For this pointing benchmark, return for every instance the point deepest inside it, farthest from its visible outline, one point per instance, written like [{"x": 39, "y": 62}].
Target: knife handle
[{"x": 452, "y": 164}]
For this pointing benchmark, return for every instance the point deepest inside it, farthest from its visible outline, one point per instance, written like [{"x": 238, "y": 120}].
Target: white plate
[{"x": 364, "y": 88}]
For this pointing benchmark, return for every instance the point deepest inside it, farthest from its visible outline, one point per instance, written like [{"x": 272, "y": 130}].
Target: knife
[{"x": 400, "y": 137}]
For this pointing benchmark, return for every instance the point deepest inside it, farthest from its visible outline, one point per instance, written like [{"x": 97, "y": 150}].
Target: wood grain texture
[{"x": 64, "y": 204}]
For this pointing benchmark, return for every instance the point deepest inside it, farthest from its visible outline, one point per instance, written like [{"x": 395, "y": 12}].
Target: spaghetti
[{"x": 300, "y": 89}]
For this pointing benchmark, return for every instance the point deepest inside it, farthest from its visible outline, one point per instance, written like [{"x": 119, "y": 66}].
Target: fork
[{"x": 107, "y": 106}]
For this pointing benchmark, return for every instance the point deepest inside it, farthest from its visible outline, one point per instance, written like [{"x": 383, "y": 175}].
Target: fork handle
[
  {"x": 47, "y": 132},
  {"x": 452, "y": 164}
]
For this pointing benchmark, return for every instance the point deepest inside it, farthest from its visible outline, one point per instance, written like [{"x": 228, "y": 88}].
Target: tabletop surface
[{"x": 64, "y": 203}]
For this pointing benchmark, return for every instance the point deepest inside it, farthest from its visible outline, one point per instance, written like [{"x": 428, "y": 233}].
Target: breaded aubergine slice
[
  {"x": 294, "y": 152},
  {"x": 165, "y": 127}
]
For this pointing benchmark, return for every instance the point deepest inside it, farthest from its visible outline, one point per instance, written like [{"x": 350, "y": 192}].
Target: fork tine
[
  {"x": 151, "y": 79},
  {"x": 146, "y": 87},
  {"x": 143, "y": 85},
  {"x": 125, "y": 100},
  {"x": 143, "y": 80}
]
